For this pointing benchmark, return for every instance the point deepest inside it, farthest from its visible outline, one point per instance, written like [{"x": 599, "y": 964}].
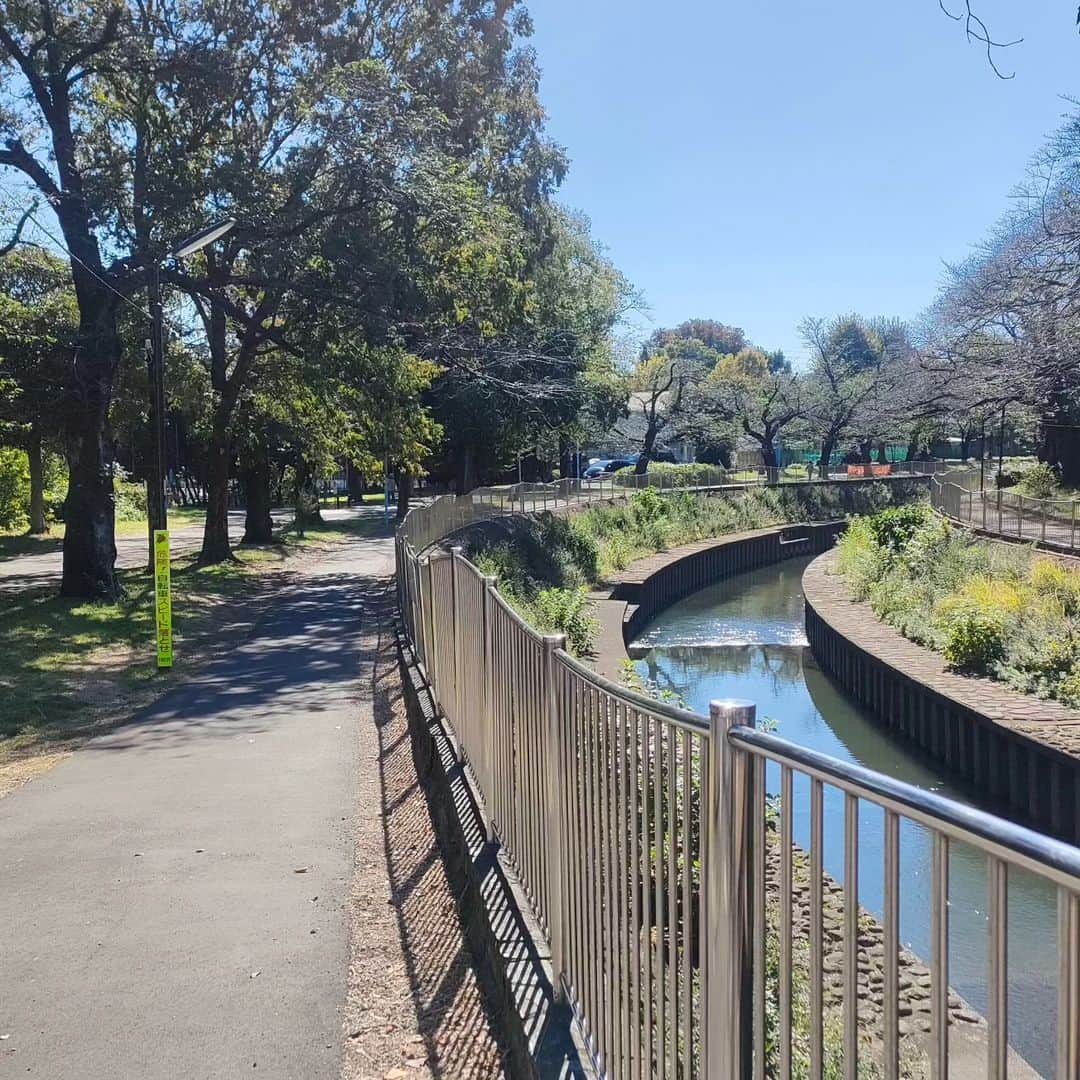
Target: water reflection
[{"x": 744, "y": 638}]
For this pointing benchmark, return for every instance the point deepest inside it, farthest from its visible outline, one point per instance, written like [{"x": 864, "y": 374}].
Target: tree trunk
[
  {"x": 966, "y": 435},
  {"x": 404, "y": 494},
  {"x": 1059, "y": 438},
  {"x": 215, "y": 546},
  {"x": 465, "y": 469},
  {"x": 882, "y": 457},
  {"x": 912, "y": 448},
  {"x": 258, "y": 524},
  {"x": 38, "y": 525},
  {"x": 89, "y": 511},
  {"x": 768, "y": 452},
  {"x": 828, "y": 445},
  {"x": 645, "y": 456},
  {"x": 864, "y": 450}
]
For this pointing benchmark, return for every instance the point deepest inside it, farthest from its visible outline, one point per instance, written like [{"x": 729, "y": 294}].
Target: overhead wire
[{"x": 180, "y": 331}]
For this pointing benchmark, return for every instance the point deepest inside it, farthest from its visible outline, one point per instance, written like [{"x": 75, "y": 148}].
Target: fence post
[
  {"x": 427, "y": 631},
  {"x": 727, "y": 1028},
  {"x": 456, "y": 553},
  {"x": 489, "y": 708},
  {"x": 1020, "y": 517},
  {"x": 553, "y": 815},
  {"x": 1072, "y": 529}
]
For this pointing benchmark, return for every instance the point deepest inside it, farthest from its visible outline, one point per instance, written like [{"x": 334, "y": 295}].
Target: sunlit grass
[
  {"x": 62, "y": 660},
  {"x": 13, "y": 544}
]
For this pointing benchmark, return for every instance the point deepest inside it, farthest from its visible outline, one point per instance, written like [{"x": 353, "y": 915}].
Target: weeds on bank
[
  {"x": 993, "y": 609},
  {"x": 547, "y": 570}
]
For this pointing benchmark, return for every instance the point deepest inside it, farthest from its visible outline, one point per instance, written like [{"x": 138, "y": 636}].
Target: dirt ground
[{"x": 414, "y": 1008}]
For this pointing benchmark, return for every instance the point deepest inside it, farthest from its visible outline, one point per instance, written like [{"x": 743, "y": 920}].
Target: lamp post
[{"x": 157, "y": 509}]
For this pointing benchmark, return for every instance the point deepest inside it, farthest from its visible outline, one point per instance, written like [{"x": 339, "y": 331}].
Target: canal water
[{"x": 745, "y": 638}]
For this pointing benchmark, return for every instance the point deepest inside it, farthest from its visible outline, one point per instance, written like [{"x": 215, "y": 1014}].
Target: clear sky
[{"x": 756, "y": 162}]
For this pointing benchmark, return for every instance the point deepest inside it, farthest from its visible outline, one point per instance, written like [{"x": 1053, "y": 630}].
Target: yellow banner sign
[{"x": 162, "y": 598}]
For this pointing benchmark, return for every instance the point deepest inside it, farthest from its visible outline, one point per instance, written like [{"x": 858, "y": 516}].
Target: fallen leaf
[
  {"x": 300, "y": 870},
  {"x": 394, "y": 1074},
  {"x": 5, "y": 1036},
  {"x": 255, "y": 974}
]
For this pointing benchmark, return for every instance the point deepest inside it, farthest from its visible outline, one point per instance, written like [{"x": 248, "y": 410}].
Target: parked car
[{"x": 597, "y": 468}]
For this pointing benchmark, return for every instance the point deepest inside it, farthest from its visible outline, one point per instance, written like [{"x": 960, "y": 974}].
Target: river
[{"x": 745, "y": 638}]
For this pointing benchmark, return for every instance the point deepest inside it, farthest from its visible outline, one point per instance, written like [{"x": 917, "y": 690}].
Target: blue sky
[{"x": 758, "y": 162}]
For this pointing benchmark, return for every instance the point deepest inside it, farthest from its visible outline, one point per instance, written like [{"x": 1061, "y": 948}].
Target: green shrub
[
  {"x": 974, "y": 638},
  {"x": 894, "y": 528},
  {"x": 1040, "y": 481},
  {"x": 564, "y": 611},
  {"x": 14, "y": 488},
  {"x": 129, "y": 497},
  {"x": 648, "y": 506}
]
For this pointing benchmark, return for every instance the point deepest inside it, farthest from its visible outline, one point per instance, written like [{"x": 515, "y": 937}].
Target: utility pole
[
  {"x": 1001, "y": 445},
  {"x": 156, "y": 509},
  {"x": 157, "y": 512},
  {"x": 982, "y": 456}
]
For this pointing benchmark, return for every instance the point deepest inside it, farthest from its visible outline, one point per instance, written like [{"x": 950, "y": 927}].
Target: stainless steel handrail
[
  {"x": 1041, "y": 854},
  {"x": 682, "y": 718}
]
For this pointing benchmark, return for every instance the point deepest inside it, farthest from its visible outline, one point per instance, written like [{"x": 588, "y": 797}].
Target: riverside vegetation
[
  {"x": 992, "y": 609},
  {"x": 547, "y": 570}
]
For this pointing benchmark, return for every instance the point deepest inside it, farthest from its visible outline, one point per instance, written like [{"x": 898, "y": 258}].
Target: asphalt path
[{"x": 173, "y": 895}]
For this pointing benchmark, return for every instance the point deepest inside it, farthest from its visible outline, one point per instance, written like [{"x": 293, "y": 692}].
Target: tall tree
[
  {"x": 744, "y": 389},
  {"x": 38, "y": 327}
]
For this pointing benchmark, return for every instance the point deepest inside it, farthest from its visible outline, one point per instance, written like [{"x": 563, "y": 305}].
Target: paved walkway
[{"x": 175, "y": 898}]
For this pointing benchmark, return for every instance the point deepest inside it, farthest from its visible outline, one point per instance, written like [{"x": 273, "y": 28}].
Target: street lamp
[{"x": 157, "y": 511}]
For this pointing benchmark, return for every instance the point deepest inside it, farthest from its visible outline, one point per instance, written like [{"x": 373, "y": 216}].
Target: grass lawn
[{"x": 13, "y": 544}]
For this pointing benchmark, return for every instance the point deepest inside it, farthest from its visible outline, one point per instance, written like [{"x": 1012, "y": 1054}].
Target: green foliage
[
  {"x": 564, "y": 611},
  {"x": 893, "y": 528},
  {"x": 1039, "y": 480},
  {"x": 14, "y": 488},
  {"x": 562, "y": 554},
  {"x": 974, "y": 638},
  {"x": 996, "y": 609},
  {"x": 130, "y": 500}
]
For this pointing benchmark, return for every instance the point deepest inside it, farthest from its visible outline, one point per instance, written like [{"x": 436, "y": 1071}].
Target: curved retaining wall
[
  {"x": 998, "y": 740},
  {"x": 651, "y": 584},
  {"x": 687, "y": 569}
]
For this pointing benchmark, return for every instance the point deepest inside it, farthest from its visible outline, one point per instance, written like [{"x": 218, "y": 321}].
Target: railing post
[
  {"x": 1072, "y": 529},
  {"x": 553, "y": 816},
  {"x": 456, "y": 554},
  {"x": 428, "y": 629},
  {"x": 727, "y": 1030},
  {"x": 489, "y": 708},
  {"x": 1020, "y": 517}
]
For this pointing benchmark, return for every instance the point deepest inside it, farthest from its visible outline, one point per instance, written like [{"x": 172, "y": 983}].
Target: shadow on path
[{"x": 458, "y": 1040}]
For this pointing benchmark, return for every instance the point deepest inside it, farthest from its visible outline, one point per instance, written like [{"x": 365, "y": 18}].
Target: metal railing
[
  {"x": 1009, "y": 514},
  {"x": 642, "y": 833}
]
